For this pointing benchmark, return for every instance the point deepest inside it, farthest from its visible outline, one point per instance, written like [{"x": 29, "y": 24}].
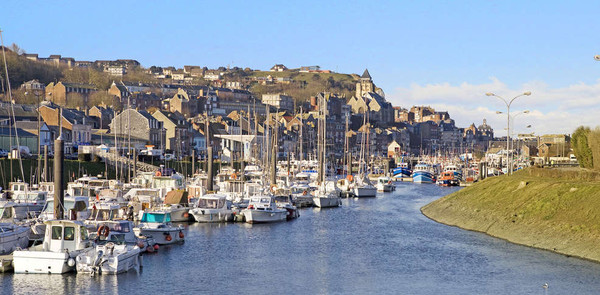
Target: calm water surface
[{"x": 382, "y": 245}]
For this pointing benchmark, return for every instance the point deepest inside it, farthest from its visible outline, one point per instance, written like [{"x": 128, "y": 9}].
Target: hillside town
[{"x": 171, "y": 115}]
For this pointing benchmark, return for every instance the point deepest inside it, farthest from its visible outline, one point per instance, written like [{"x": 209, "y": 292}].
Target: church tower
[{"x": 365, "y": 84}]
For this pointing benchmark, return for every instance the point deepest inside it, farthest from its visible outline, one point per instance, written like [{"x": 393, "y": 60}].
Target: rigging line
[{"x": 12, "y": 107}]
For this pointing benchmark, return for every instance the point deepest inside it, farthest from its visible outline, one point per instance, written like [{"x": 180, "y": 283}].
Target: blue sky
[{"x": 446, "y": 54}]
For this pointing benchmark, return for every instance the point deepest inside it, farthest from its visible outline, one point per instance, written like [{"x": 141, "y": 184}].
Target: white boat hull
[
  {"x": 264, "y": 216},
  {"x": 122, "y": 259},
  {"x": 365, "y": 192},
  {"x": 211, "y": 215},
  {"x": 180, "y": 215},
  {"x": 43, "y": 262},
  {"x": 160, "y": 235},
  {"x": 385, "y": 187},
  {"x": 12, "y": 238},
  {"x": 327, "y": 202}
]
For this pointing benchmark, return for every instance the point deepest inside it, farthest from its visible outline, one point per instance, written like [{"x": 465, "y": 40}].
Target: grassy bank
[{"x": 552, "y": 209}]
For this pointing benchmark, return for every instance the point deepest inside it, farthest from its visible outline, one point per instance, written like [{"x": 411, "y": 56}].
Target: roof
[
  {"x": 6, "y": 131},
  {"x": 366, "y": 75}
]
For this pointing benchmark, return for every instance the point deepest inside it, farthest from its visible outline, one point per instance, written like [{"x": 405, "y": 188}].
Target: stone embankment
[{"x": 553, "y": 209}]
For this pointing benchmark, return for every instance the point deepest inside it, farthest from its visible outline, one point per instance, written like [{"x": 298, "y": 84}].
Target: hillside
[
  {"x": 552, "y": 209},
  {"x": 305, "y": 85}
]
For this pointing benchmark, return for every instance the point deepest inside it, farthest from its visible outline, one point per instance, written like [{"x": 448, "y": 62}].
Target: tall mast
[{"x": 12, "y": 110}]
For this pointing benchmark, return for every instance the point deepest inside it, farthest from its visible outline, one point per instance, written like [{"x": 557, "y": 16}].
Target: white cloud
[{"x": 552, "y": 110}]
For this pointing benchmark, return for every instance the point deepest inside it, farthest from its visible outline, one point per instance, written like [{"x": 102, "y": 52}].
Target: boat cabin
[
  {"x": 262, "y": 203},
  {"x": 64, "y": 235},
  {"x": 76, "y": 208},
  {"x": 213, "y": 202}
]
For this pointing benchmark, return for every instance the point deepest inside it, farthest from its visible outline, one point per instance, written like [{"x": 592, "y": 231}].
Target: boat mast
[{"x": 12, "y": 111}]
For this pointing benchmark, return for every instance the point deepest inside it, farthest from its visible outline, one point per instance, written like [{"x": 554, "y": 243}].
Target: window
[
  {"x": 69, "y": 233},
  {"x": 57, "y": 233},
  {"x": 84, "y": 233}
]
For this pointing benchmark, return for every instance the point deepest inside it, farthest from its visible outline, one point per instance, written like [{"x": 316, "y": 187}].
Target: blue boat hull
[
  {"x": 423, "y": 177},
  {"x": 402, "y": 172}
]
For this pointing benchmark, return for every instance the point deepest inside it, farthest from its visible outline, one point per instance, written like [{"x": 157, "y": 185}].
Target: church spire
[{"x": 366, "y": 75}]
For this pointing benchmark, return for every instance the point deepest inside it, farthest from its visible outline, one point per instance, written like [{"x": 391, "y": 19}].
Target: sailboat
[
  {"x": 327, "y": 194},
  {"x": 363, "y": 187}
]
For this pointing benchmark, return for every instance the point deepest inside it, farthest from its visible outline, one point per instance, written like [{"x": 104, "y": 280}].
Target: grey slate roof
[{"x": 366, "y": 74}]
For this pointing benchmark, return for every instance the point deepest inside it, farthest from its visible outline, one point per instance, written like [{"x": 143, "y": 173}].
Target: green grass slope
[{"x": 552, "y": 209}]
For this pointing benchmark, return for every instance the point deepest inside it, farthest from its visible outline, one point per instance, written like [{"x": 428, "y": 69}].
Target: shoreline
[{"x": 546, "y": 209}]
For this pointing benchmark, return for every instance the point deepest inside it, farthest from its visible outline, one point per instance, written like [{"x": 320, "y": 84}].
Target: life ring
[
  {"x": 304, "y": 193},
  {"x": 103, "y": 231},
  {"x": 234, "y": 176},
  {"x": 273, "y": 187},
  {"x": 350, "y": 177},
  {"x": 157, "y": 173}
]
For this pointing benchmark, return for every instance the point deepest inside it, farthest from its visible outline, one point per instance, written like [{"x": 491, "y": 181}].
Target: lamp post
[{"x": 508, "y": 103}]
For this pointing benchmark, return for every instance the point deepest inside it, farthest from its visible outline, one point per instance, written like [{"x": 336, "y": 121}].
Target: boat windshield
[
  {"x": 104, "y": 214},
  {"x": 152, "y": 193},
  {"x": 118, "y": 227},
  {"x": 81, "y": 191},
  {"x": 156, "y": 217},
  {"x": 29, "y": 197},
  {"x": 6, "y": 213},
  {"x": 75, "y": 205},
  {"x": 211, "y": 203}
]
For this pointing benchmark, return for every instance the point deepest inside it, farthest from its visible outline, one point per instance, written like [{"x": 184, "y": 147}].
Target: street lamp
[{"x": 508, "y": 103}]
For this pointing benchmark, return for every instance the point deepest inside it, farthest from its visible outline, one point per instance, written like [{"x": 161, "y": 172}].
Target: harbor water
[{"x": 380, "y": 245}]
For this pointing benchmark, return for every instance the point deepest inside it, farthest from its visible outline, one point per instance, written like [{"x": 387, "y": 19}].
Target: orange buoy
[
  {"x": 168, "y": 237},
  {"x": 157, "y": 173},
  {"x": 181, "y": 235},
  {"x": 350, "y": 177},
  {"x": 234, "y": 176}
]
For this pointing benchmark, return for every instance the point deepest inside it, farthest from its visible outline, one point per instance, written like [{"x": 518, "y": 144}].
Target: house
[
  {"x": 394, "y": 149},
  {"x": 7, "y": 136},
  {"x": 177, "y": 131},
  {"x": 62, "y": 93},
  {"x": 115, "y": 70},
  {"x": 104, "y": 115},
  {"x": 278, "y": 68},
  {"x": 212, "y": 76},
  {"x": 76, "y": 126},
  {"x": 44, "y": 134},
  {"x": 179, "y": 76},
  {"x": 279, "y": 100},
  {"x": 32, "y": 85},
  {"x": 140, "y": 126},
  {"x": 307, "y": 69}
]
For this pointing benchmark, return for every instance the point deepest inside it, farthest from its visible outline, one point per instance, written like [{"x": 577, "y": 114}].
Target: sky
[{"x": 443, "y": 54}]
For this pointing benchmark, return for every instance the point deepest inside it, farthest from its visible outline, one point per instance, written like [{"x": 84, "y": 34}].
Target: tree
[
  {"x": 581, "y": 148},
  {"x": 594, "y": 144}
]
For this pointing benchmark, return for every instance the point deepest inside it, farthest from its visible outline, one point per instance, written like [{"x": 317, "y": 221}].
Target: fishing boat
[
  {"x": 423, "y": 173},
  {"x": 262, "y": 209},
  {"x": 157, "y": 225},
  {"x": 212, "y": 208},
  {"x": 384, "y": 184},
  {"x": 402, "y": 171},
  {"x": 64, "y": 240}
]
